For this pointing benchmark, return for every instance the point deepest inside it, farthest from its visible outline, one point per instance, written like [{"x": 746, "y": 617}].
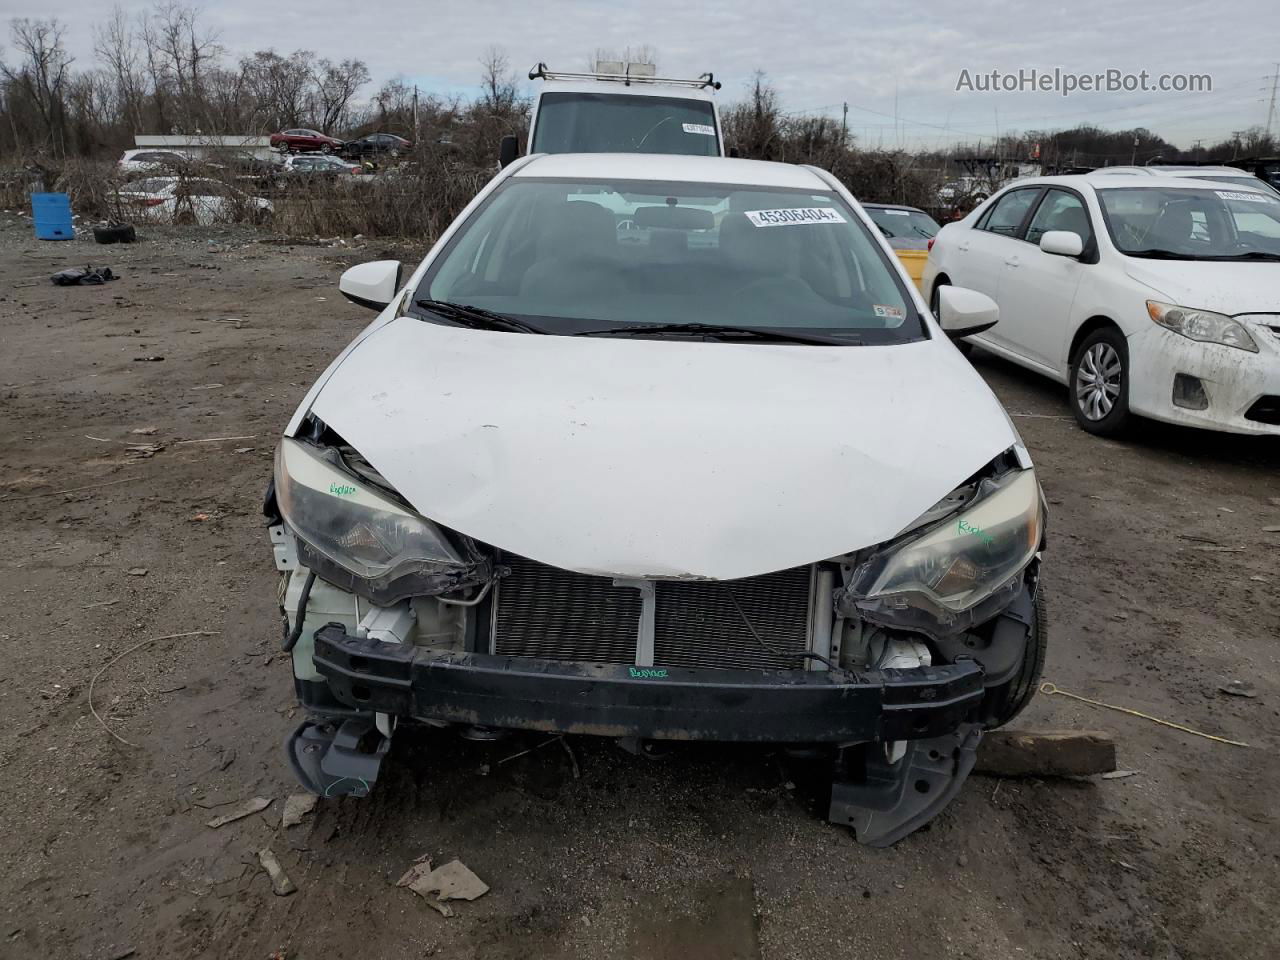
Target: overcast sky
[{"x": 896, "y": 64}]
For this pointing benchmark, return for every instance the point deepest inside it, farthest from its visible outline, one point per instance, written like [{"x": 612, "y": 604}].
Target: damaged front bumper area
[
  {"x": 903, "y": 740},
  {"x": 610, "y": 700}
]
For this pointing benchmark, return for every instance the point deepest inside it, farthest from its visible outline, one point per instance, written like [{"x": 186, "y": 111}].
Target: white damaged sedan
[{"x": 664, "y": 448}]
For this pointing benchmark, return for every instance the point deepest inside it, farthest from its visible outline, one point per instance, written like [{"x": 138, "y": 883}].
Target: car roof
[
  {"x": 675, "y": 167},
  {"x": 640, "y": 88},
  {"x": 1102, "y": 181}
]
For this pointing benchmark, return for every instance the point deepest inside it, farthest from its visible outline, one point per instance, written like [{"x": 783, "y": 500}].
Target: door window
[
  {"x": 1060, "y": 210},
  {"x": 1009, "y": 211}
]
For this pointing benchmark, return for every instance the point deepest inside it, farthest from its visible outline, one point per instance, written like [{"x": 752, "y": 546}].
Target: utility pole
[
  {"x": 1271, "y": 108},
  {"x": 416, "y": 139},
  {"x": 844, "y": 126}
]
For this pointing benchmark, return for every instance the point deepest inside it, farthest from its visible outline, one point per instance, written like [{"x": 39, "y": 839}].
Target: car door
[
  {"x": 982, "y": 250},
  {"x": 1037, "y": 289}
]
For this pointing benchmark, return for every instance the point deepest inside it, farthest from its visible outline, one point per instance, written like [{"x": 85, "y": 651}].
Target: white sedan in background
[
  {"x": 1155, "y": 296},
  {"x": 189, "y": 200}
]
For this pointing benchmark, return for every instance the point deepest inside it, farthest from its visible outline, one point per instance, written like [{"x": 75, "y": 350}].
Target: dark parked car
[
  {"x": 377, "y": 144},
  {"x": 304, "y": 141}
]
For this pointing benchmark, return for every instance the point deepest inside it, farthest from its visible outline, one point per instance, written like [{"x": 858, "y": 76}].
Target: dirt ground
[{"x": 1162, "y": 585}]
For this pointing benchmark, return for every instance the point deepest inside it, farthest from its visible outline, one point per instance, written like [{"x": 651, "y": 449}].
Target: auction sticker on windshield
[
  {"x": 703, "y": 128},
  {"x": 793, "y": 216},
  {"x": 1238, "y": 195}
]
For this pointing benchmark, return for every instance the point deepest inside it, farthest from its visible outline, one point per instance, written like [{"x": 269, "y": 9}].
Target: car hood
[
  {"x": 1230, "y": 288},
  {"x": 662, "y": 458}
]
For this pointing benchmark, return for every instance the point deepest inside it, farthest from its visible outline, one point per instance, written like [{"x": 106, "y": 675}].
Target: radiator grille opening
[
  {"x": 549, "y": 613},
  {"x": 697, "y": 624},
  {"x": 542, "y": 611}
]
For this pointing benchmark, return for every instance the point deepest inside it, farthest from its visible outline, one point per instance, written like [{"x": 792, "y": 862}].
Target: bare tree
[
  {"x": 499, "y": 91},
  {"x": 117, "y": 47},
  {"x": 187, "y": 50},
  {"x": 279, "y": 88},
  {"x": 335, "y": 85},
  {"x": 41, "y": 75}
]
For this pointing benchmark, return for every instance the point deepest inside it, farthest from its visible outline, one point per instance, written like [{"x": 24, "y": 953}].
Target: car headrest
[{"x": 576, "y": 228}]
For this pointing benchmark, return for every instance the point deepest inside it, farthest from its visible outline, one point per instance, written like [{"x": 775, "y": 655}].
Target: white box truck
[{"x": 621, "y": 108}]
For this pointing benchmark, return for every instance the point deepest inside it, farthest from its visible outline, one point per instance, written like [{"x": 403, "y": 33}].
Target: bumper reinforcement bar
[{"x": 782, "y": 706}]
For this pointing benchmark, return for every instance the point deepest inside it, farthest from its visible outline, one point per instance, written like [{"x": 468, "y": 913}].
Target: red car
[{"x": 304, "y": 141}]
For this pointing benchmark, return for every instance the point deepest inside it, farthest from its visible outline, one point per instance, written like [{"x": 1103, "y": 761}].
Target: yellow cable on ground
[{"x": 1050, "y": 690}]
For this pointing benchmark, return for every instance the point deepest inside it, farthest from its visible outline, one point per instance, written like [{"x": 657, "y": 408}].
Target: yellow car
[{"x": 908, "y": 231}]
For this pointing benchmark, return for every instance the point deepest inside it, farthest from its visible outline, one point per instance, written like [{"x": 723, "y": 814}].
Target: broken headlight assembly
[
  {"x": 361, "y": 539},
  {"x": 958, "y": 572}
]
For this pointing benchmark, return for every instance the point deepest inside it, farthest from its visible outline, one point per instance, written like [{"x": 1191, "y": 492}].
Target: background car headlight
[
  {"x": 388, "y": 551},
  {"x": 958, "y": 572},
  {"x": 1202, "y": 325}
]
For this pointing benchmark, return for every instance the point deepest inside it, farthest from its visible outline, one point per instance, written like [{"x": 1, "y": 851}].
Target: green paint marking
[
  {"x": 966, "y": 527},
  {"x": 341, "y": 489},
  {"x": 646, "y": 673}
]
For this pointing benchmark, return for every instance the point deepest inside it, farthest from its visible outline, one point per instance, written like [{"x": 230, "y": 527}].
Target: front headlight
[
  {"x": 1202, "y": 325},
  {"x": 360, "y": 538},
  {"x": 955, "y": 574}
]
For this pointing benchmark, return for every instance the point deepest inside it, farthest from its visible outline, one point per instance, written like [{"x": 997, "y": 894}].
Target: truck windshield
[
  {"x": 624, "y": 123},
  {"x": 572, "y": 256}
]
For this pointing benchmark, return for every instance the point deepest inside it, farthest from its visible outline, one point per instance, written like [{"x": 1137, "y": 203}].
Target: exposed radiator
[
  {"x": 542, "y": 611},
  {"x": 697, "y": 624}
]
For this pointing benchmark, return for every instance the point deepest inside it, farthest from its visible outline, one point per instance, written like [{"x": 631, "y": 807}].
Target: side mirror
[
  {"x": 371, "y": 285},
  {"x": 963, "y": 312},
  {"x": 1062, "y": 243},
  {"x": 508, "y": 150}
]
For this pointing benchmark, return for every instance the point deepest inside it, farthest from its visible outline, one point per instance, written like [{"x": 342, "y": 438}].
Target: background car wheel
[
  {"x": 1099, "y": 384},
  {"x": 963, "y": 346},
  {"x": 1006, "y": 702},
  {"x": 326, "y": 148}
]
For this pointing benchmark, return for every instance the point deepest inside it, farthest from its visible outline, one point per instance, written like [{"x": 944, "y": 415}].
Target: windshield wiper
[
  {"x": 1251, "y": 255},
  {"x": 477, "y": 318},
  {"x": 720, "y": 330},
  {"x": 1157, "y": 253}
]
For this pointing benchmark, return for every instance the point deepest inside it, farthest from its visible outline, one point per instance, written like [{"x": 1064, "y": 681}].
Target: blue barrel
[{"x": 52, "y": 215}]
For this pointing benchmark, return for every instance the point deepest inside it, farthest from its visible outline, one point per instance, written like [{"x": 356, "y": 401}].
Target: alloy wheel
[{"x": 1098, "y": 381}]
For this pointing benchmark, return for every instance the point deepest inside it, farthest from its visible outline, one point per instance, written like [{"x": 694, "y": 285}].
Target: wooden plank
[{"x": 1046, "y": 753}]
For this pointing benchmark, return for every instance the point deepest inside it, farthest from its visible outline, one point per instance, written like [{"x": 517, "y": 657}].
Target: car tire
[
  {"x": 1004, "y": 703},
  {"x": 326, "y": 148},
  {"x": 115, "y": 233},
  {"x": 1098, "y": 388},
  {"x": 964, "y": 347}
]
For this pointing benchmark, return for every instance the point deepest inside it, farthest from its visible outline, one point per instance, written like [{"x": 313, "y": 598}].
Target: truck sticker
[
  {"x": 1241, "y": 195},
  {"x": 897, "y": 213},
  {"x": 793, "y": 216},
  {"x": 706, "y": 129},
  {"x": 882, "y": 311}
]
